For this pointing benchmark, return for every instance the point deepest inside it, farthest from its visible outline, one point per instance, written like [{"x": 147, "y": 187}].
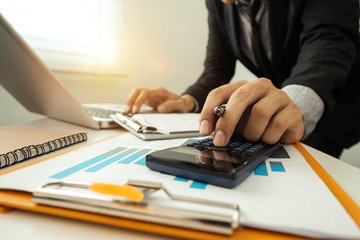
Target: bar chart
[
  {"x": 137, "y": 156},
  {"x": 119, "y": 155},
  {"x": 275, "y": 166}
]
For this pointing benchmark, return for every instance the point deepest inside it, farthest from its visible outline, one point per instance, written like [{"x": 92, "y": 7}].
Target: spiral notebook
[{"x": 18, "y": 143}]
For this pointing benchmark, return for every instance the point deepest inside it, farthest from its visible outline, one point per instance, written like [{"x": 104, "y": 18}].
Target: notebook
[
  {"x": 31, "y": 82},
  {"x": 18, "y": 144}
]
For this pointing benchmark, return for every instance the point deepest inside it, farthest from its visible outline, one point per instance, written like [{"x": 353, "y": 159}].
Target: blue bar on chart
[
  {"x": 194, "y": 184},
  {"x": 261, "y": 170},
  {"x": 180, "y": 179},
  {"x": 198, "y": 185},
  {"x": 111, "y": 160},
  {"x": 142, "y": 160},
  {"x": 86, "y": 164},
  {"x": 277, "y": 166},
  {"x": 135, "y": 156}
]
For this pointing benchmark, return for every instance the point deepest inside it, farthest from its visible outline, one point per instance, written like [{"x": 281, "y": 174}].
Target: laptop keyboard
[{"x": 100, "y": 112}]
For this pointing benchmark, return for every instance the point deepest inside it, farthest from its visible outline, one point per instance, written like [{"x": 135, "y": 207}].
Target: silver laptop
[{"x": 31, "y": 82}]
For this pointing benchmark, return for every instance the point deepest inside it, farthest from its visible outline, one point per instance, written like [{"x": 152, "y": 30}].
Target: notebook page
[{"x": 170, "y": 123}]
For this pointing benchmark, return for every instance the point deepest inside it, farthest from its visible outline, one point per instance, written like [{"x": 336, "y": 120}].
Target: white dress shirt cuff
[{"x": 310, "y": 104}]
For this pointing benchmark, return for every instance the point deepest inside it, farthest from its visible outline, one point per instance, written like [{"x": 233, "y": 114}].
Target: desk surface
[{"x": 38, "y": 226}]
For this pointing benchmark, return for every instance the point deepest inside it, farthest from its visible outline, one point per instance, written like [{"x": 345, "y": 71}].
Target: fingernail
[
  {"x": 219, "y": 138},
  {"x": 162, "y": 108},
  {"x": 127, "y": 108},
  {"x": 204, "y": 127}
]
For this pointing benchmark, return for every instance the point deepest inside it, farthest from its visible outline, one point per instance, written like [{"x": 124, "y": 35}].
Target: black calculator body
[{"x": 204, "y": 162}]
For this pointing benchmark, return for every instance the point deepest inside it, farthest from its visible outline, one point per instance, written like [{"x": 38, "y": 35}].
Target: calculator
[{"x": 202, "y": 161}]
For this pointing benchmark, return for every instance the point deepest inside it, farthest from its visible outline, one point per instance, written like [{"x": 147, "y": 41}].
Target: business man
[{"x": 305, "y": 53}]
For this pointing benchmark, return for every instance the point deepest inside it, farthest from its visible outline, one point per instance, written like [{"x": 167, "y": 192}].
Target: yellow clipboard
[{"x": 10, "y": 200}]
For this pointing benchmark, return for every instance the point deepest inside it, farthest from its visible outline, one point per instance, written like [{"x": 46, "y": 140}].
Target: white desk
[{"x": 25, "y": 225}]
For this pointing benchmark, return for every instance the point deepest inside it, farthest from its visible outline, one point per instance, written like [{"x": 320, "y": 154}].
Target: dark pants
[{"x": 324, "y": 144}]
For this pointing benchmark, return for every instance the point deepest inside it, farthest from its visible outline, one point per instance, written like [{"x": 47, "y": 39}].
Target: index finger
[
  {"x": 132, "y": 98},
  {"x": 239, "y": 101},
  {"x": 215, "y": 98}
]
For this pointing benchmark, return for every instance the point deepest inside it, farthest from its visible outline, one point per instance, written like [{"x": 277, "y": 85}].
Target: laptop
[{"x": 31, "y": 82}]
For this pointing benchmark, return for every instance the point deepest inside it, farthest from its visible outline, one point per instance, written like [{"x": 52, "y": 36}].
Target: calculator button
[
  {"x": 233, "y": 145},
  {"x": 208, "y": 144},
  {"x": 237, "y": 146},
  {"x": 219, "y": 149},
  {"x": 252, "y": 150},
  {"x": 249, "y": 152},
  {"x": 199, "y": 146},
  {"x": 242, "y": 148}
]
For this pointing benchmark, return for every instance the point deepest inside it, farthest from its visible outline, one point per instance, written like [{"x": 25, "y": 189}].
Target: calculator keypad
[{"x": 236, "y": 146}]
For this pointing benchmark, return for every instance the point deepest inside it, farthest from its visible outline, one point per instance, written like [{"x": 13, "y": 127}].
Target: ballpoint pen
[{"x": 220, "y": 110}]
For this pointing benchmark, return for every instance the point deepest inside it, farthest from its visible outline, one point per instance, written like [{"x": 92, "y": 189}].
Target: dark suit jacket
[{"x": 314, "y": 43}]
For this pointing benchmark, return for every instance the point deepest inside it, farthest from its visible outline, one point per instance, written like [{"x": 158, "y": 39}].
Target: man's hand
[
  {"x": 257, "y": 110},
  {"x": 159, "y": 99}
]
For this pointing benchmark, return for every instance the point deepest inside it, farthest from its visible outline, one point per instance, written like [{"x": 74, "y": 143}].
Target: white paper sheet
[
  {"x": 169, "y": 123},
  {"x": 283, "y": 195}
]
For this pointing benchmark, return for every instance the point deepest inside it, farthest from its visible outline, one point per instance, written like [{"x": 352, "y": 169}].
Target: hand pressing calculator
[{"x": 203, "y": 161}]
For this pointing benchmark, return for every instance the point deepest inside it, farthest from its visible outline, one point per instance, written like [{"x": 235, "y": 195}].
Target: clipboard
[
  {"x": 12, "y": 200},
  {"x": 22, "y": 200},
  {"x": 217, "y": 217},
  {"x": 146, "y": 131}
]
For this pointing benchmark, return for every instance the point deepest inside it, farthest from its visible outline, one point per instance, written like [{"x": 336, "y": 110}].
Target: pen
[
  {"x": 125, "y": 190},
  {"x": 220, "y": 110}
]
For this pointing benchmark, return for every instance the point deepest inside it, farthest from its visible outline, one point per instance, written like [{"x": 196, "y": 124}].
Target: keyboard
[{"x": 100, "y": 112}]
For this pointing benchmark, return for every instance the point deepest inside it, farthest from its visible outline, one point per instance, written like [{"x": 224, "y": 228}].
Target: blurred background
[{"x": 101, "y": 49}]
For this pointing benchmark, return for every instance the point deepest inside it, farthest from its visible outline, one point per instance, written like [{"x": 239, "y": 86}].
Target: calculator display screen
[{"x": 215, "y": 160}]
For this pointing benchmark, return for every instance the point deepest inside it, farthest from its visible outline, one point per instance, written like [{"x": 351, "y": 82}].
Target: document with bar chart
[{"x": 283, "y": 194}]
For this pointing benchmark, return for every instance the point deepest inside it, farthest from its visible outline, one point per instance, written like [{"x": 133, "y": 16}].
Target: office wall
[{"x": 164, "y": 46}]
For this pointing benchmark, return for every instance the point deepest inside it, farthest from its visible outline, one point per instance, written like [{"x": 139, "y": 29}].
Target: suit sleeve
[
  {"x": 219, "y": 64},
  {"x": 329, "y": 46}
]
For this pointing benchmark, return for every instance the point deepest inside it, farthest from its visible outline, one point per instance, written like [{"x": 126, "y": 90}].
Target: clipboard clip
[
  {"x": 159, "y": 205},
  {"x": 139, "y": 127}
]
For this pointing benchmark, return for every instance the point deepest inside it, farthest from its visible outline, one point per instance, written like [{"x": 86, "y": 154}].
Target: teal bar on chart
[
  {"x": 135, "y": 156},
  {"x": 142, "y": 160},
  {"x": 198, "y": 185},
  {"x": 105, "y": 163},
  {"x": 180, "y": 179},
  {"x": 261, "y": 170},
  {"x": 86, "y": 164},
  {"x": 277, "y": 166}
]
